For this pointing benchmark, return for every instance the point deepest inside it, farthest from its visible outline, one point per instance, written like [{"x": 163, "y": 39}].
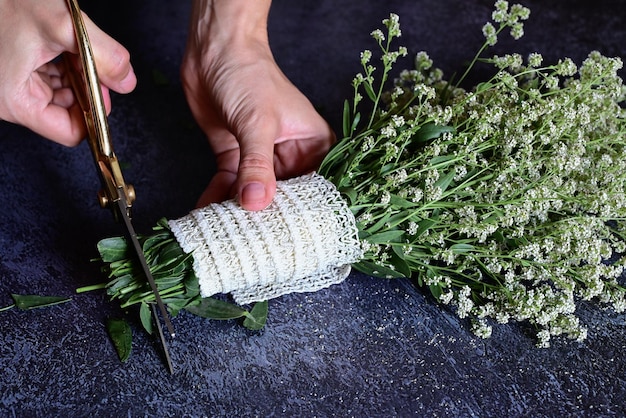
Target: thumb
[{"x": 256, "y": 180}]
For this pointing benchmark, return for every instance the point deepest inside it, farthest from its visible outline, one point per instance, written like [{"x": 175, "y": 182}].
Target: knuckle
[
  {"x": 255, "y": 162},
  {"x": 118, "y": 62}
]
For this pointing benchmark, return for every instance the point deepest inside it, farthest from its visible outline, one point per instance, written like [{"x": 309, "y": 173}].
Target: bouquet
[{"x": 506, "y": 200}]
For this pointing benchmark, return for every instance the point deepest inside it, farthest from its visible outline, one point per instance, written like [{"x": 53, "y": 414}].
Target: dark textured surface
[{"x": 366, "y": 347}]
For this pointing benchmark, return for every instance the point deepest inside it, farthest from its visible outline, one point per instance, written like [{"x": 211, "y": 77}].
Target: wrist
[{"x": 229, "y": 22}]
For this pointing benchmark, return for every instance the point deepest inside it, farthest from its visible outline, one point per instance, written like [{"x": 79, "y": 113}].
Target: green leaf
[
  {"x": 175, "y": 305},
  {"x": 398, "y": 261},
  {"x": 350, "y": 193},
  {"x": 122, "y": 337},
  {"x": 212, "y": 308},
  {"x": 346, "y": 118},
  {"x": 112, "y": 249},
  {"x": 445, "y": 181},
  {"x": 257, "y": 317},
  {"x": 369, "y": 90},
  {"x": 435, "y": 290},
  {"x": 379, "y": 224},
  {"x": 441, "y": 159},
  {"x": 423, "y": 226},
  {"x": 461, "y": 248},
  {"x": 154, "y": 240},
  {"x": 170, "y": 253},
  {"x": 431, "y": 131},
  {"x": 25, "y": 302},
  {"x": 387, "y": 168},
  {"x": 145, "y": 314},
  {"x": 385, "y": 237},
  {"x": 373, "y": 269},
  {"x": 355, "y": 122},
  {"x": 166, "y": 282},
  {"x": 119, "y": 283},
  {"x": 401, "y": 203},
  {"x": 192, "y": 286},
  {"x": 484, "y": 86},
  {"x": 494, "y": 217}
]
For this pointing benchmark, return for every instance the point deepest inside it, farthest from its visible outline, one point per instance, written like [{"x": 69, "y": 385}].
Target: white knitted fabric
[{"x": 304, "y": 241}]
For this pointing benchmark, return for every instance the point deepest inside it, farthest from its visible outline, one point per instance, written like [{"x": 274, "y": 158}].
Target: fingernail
[{"x": 252, "y": 194}]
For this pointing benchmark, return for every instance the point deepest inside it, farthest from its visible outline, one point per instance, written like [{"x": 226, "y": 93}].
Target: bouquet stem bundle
[{"x": 505, "y": 200}]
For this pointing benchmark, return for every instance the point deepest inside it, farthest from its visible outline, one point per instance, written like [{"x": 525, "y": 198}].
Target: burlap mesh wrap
[{"x": 304, "y": 241}]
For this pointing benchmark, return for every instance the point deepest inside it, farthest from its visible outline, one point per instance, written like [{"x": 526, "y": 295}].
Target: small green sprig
[
  {"x": 27, "y": 302},
  {"x": 505, "y": 200}
]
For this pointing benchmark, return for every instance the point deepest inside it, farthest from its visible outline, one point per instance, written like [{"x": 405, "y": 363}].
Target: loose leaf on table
[
  {"x": 212, "y": 308},
  {"x": 257, "y": 317},
  {"x": 25, "y": 302},
  {"x": 121, "y": 336}
]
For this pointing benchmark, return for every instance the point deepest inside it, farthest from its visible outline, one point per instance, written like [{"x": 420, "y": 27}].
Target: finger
[
  {"x": 54, "y": 111},
  {"x": 60, "y": 124},
  {"x": 111, "y": 58},
  {"x": 301, "y": 155},
  {"x": 50, "y": 112},
  {"x": 72, "y": 64},
  {"x": 63, "y": 97},
  {"x": 256, "y": 181},
  {"x": 62, "y": 120},
  {"x": 218, "y": 190}
]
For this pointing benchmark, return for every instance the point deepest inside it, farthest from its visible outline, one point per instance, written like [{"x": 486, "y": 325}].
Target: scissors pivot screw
[{"x": 105, "y": 202}]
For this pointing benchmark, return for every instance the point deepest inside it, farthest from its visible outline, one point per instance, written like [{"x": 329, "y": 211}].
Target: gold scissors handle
[{"x": 89, "y": 95}]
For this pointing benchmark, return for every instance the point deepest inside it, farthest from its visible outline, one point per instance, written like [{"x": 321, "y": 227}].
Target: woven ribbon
[{"x": 304, "y": 241}]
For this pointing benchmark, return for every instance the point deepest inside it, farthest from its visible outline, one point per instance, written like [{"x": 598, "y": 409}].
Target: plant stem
[{"x": 92, "y": 287}]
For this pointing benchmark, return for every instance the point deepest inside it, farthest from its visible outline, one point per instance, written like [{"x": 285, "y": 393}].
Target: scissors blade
[{"x": 123, "y": 211}]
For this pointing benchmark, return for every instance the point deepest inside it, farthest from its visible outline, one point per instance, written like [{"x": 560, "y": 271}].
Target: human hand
[
  {"x": 259, "y": 125},
  {"x": 34, "y": 90}
]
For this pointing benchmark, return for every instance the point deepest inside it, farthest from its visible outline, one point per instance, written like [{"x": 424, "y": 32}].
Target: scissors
[{"x": 115, "y": 194}]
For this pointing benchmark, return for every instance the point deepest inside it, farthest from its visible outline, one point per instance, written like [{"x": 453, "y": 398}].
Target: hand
[
  {"x": 34, "y": 91},
  {"x": 259, "y": 125}
]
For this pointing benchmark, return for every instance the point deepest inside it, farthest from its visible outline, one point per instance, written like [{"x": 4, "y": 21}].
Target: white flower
[
  {"x": 388, "y": 132},
  {"x": 385, "y": 198},
  {"x": 446, "y": 297},
  {"x": 463, "y": 304},
  {"x": 378, "y": 35},
  {"x": 543, "y": 338},
  {"x": 393, "y": 25},
  {"x": 535, "y": 59},
  {"x": 366, "y": 56},
  {"x": 489, "y": 31},
  {"x": 481, "y": 328},
  {"x": 398, "y": 120},
  {"x": 413, "y": 227}
]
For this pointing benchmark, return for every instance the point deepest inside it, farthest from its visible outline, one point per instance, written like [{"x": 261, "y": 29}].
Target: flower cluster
[{"x": 505, "y": 200}]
